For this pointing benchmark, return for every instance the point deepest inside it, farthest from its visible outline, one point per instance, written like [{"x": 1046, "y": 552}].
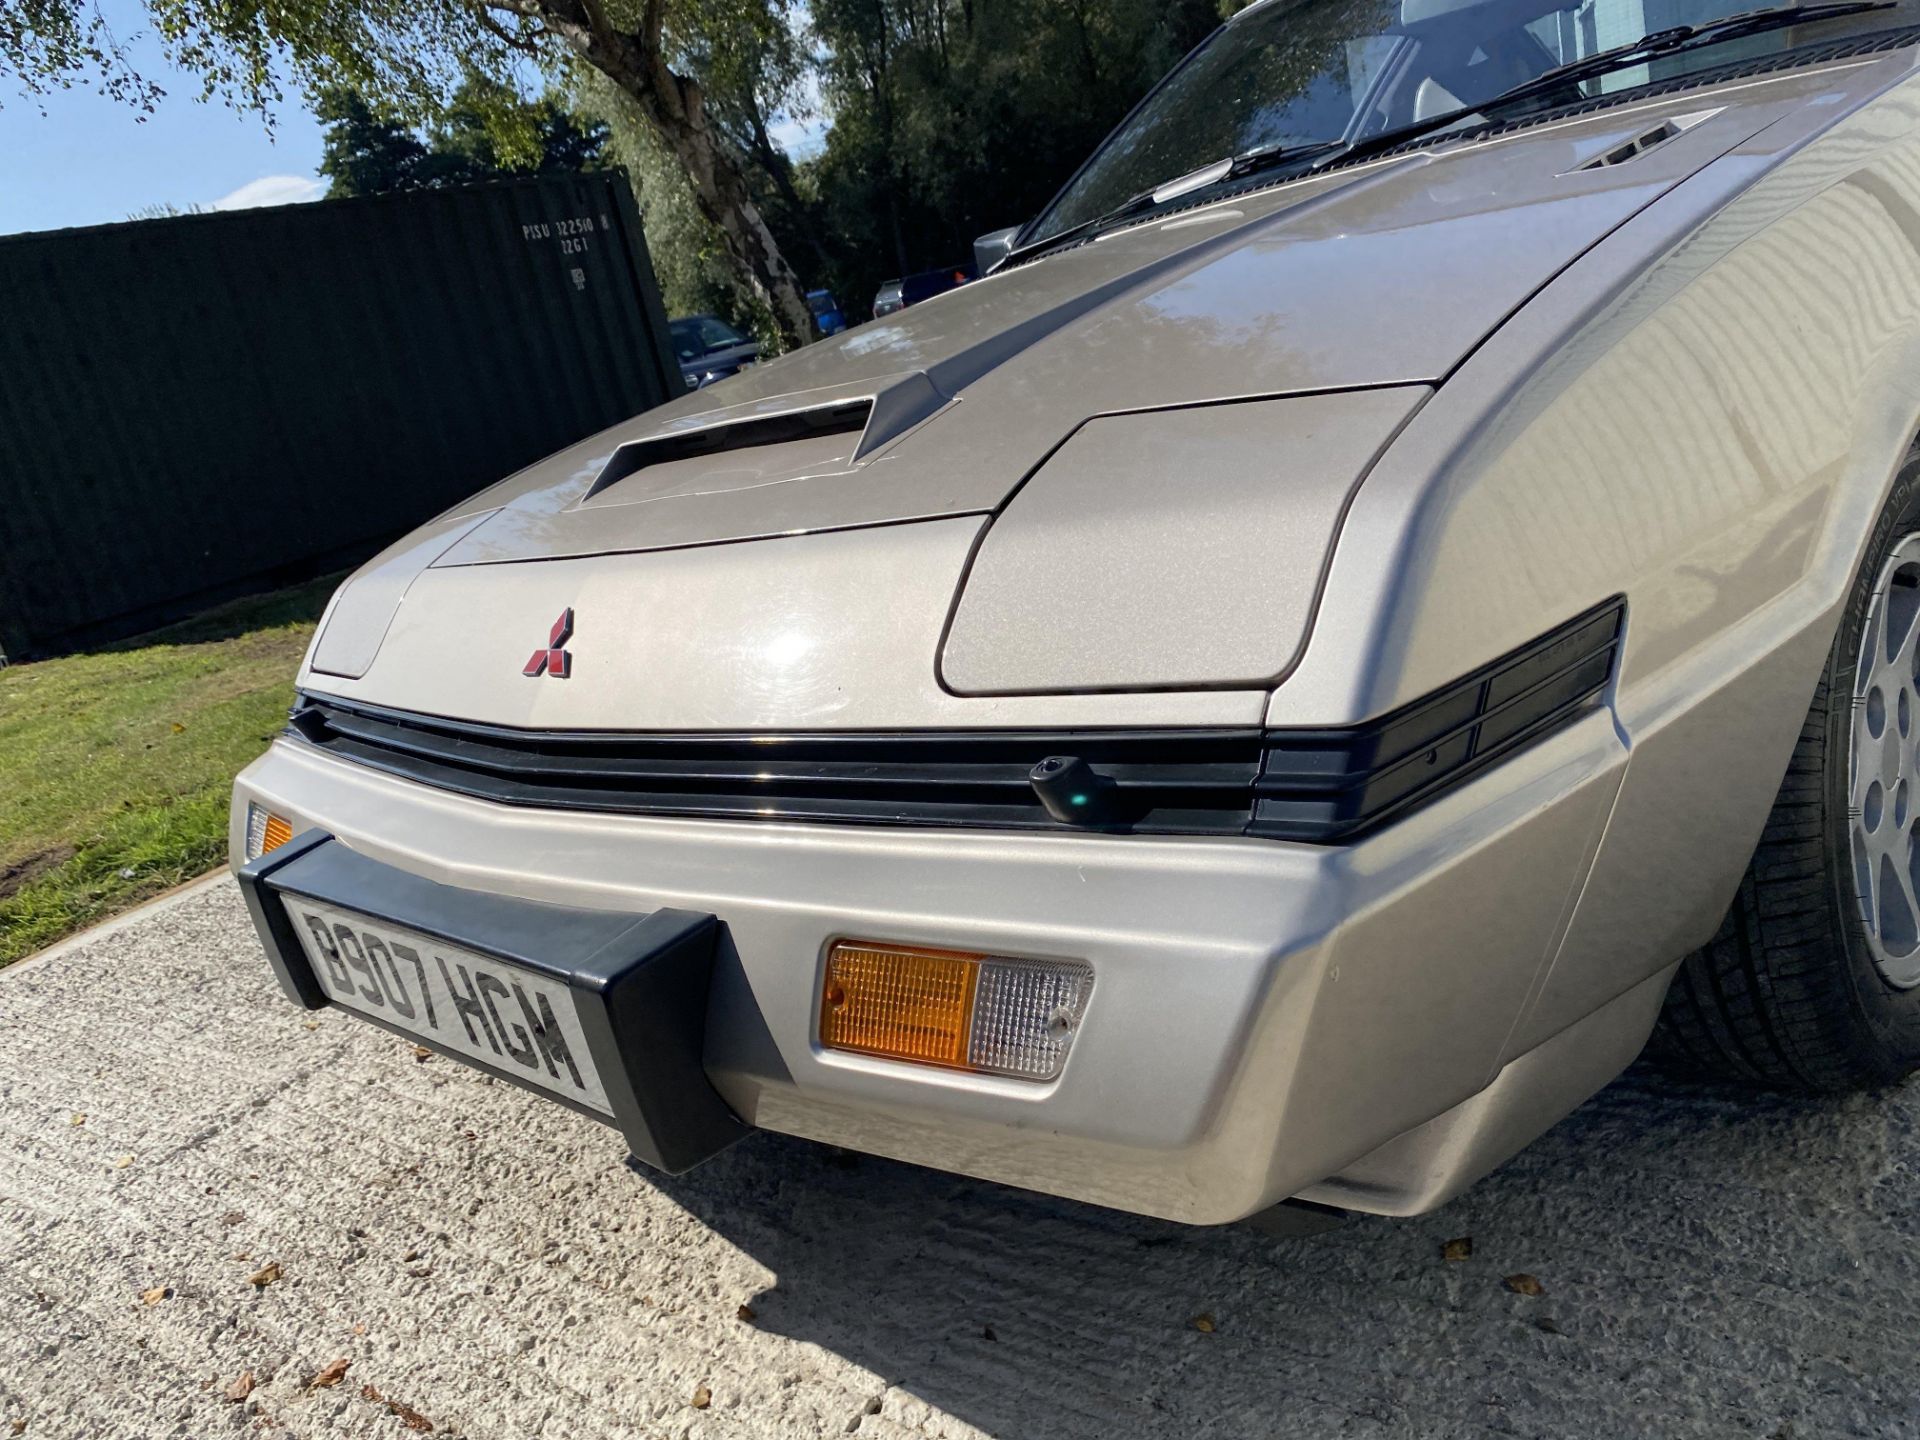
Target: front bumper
[{"x": 1264, "y": 1014}]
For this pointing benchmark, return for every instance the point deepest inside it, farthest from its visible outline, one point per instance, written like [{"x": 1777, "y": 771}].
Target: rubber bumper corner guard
[{"x": 639, "y": 981}]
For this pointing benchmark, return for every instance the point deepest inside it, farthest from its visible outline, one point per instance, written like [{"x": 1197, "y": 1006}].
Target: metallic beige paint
[
  {"x": 1168, "y": 548},
  {"x": 1264, "y": 1014},
  {"x": 1686, "y": 379}
]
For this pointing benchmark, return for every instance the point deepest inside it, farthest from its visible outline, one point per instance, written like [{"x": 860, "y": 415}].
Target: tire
[{"x": 1808, "y": 986}]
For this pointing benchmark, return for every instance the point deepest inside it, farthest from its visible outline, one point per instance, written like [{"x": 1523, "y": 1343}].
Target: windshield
[
  {"x": 700, "y": 335},
  {"x": 1304, "y": 72}
]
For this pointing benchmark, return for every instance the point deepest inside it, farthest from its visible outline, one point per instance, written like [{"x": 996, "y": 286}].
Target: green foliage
[
  {"x": 48, "y": 45},
  {"x": 485, "y": 132},
  {"x": 953, "y": 119},
  {"x": 948, "y": 118},
  {"x": 166, "y": 210},
  {"x": 689, "y": 257}
]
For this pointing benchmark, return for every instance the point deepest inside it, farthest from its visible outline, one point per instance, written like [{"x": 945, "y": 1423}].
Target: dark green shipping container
[{"x": 195, "y": 408}]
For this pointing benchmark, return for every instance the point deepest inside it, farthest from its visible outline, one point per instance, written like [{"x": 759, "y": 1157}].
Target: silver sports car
[{"x": 1408, "y": 568}]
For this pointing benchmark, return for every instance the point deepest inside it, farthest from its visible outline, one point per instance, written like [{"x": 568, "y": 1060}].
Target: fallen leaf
[
  {"x": 241, "y": 1388},
  {"x": 19, "y": 1427},
  {"x": 421, "y": 1054},
  {"x": 409, "y": 1417},
  {"x": 1525, "y": 1285},
  {"x": 123, "y": 1162},
  {"x": 702, "y": 1397},
  {"x": 178, "y": 728},
  {"x": 332, "y": 1375},
  {"x": 746, "y": 1313},
  {"x": 155, "y": 1295},
  {"x": 265, "y": 1275},
  {"x": 1203, "y": 1323},
  {"x": 231, "y": 1218},
  {"x": 78, "y": 1119},
  {"x": 1461, "y": 1249},
  {"x": 359, "y": 1327}
]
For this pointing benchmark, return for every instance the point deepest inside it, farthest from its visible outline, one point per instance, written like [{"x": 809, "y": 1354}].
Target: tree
[
  {"x": 409, "y": 58},
  {"x": 484, "y": 134},
  {"x": 688, "y": 250},
  {"x": 166, "y": 210},
  {"x": 955, "y": 117},
  {"x": 755, "y": 64}
]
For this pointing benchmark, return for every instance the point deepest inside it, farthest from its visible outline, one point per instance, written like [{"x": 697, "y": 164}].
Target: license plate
[{"x": 503, "y": 1016}]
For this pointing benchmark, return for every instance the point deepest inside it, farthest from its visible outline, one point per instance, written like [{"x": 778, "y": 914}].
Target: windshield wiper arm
[
  {"x": 1126, "y": 209},
  {"x": 1672, "y": 40},
  {"x": 1676, "y": 38},
  {"x": 1218, "y": 172}
]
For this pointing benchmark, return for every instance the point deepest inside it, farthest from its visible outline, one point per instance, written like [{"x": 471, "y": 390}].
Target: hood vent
[
  {"x": 1671, "y": 128},
  {"x": 1635, "y": 147},
  {"x": 821, "y": 422}
]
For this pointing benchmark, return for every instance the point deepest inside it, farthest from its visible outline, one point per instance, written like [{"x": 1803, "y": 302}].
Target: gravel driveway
[{"x": 487, "y": 1265}]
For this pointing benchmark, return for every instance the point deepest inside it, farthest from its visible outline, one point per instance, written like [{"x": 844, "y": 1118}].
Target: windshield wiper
[
  {"x": 1672, "y": 40},
  {"x": 1218, "y": 172},
  {"x": 1676, "y": 38},
  {"x": 1126, "y": 209}
]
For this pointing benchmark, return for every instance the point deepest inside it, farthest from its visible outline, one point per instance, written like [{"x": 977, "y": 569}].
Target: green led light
[{"x": 1079, "y": 799}]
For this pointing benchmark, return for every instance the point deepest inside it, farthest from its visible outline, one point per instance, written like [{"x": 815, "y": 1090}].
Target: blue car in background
[{"x": 827, "y": 313}]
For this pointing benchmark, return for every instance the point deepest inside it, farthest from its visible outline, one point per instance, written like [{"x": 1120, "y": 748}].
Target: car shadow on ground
[{"x": 1692, "y": 1243}]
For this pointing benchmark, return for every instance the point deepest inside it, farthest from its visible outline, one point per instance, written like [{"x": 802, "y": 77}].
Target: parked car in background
[
  {"x": 1407, "y": 570},
  {"x": 709, "y": 349},
  {"x": 827, "y": 314},
  {"x": 916, "y": 289}
]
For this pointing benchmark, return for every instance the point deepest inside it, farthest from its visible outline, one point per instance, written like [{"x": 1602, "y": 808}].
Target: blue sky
[{"x": 89, "y": 160}]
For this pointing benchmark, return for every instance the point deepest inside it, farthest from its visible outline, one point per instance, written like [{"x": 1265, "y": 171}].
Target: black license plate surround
[{"x": 640, "y": 981}]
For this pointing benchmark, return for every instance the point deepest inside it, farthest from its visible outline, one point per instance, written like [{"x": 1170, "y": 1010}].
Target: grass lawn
[{"x": 115, "y": 765}]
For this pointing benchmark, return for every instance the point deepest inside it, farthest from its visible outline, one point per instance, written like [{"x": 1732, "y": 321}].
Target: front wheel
[{"x": 1813, "y": 980}]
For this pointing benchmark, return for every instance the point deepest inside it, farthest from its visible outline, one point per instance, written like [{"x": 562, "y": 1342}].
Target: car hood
[
  {"x": 1029, "y": 424},
  {"x": 1385, "y": 274}
]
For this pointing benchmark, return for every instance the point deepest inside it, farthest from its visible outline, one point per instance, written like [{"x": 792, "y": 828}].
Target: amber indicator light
[{"x": 901, "y": 1003}]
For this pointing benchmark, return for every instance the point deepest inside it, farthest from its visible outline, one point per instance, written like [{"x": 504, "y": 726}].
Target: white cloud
[
  {"x": 802, "y": 139},
  {"x": 272, "y": 190},
  {"x": 803, "y": 134}
]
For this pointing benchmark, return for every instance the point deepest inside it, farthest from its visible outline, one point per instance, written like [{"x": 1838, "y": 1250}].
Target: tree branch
[
  {"x": 597, "y": 22},
  {"x": 653, "y": 19},
  {"x": 526, "y": 43}
]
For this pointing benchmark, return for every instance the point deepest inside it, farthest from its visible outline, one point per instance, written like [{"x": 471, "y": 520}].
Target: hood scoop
[
  {"x": 751, "y": 471},
  {"x": 725, "y": 451},
  {"x": 1671, "y": 128},
  {"x": 746, "y": 452}
]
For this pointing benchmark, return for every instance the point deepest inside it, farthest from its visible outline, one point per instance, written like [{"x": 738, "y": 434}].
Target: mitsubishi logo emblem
[{"x": 552, "y": 659}]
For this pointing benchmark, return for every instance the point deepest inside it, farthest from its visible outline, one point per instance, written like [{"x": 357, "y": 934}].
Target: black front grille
[
  {"x": 1193, "y": 781},
  {"x": 1319, "y": 786}
]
